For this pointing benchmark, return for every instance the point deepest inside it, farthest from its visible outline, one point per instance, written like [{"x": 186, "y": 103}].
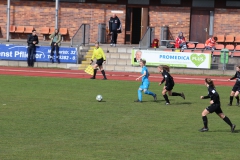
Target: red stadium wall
[
  {"x": 71, "y": 16},
  {"x": 177, "y": 18}
]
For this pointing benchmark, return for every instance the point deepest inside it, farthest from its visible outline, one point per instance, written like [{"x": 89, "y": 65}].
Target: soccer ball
[{"x": 99, "y": 98}]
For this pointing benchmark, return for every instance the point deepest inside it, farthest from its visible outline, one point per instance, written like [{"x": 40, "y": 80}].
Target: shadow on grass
[{"x": 225, "y": 130}]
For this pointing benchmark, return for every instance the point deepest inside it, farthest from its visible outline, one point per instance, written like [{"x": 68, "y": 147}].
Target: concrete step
[
  {"x": 115, "y": 61},
  {"x": 123, "y": 68}
]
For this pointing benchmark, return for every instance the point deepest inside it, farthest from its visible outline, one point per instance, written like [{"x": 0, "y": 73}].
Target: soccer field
[{"x": 59, "y": 118}]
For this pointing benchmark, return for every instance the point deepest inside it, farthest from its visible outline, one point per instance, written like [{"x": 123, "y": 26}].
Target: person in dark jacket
[
  {"x": 236, "y": 88},
  {"x": 32, "y": 40},
  {"x": 169, "y": 84},
  {"x": 215, "y": 106},
  {"x": 115, "y": 28}
]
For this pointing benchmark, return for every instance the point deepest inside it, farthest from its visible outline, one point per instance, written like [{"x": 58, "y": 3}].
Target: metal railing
[
  {"x": 147, "y": 39},
  {"x": 82, "y": 36}
]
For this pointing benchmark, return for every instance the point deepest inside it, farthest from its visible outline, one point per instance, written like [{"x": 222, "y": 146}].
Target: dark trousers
[
  {"x": 31, "y": 56},
  {"x": 53, "y": 48},
  {"x": 114, "y": 37}
]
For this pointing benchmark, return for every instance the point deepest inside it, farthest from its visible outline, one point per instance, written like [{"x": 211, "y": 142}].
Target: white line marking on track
[{"x": 109, "y": 74}]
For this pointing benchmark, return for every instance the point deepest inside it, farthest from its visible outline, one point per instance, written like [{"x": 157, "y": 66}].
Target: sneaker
[
  {"x": 111, "y": 44},
  {"x": 104, "y": 79},
  {"x": 182, "y": 95},
  {"x": 237, "y": 104},
  {"x": 138, "y": 101},
  {"x": 233, "y": 128},
  {"x": 155, "y": 97},
  {"x": 229, "y": 104},
  {"x": 114, "y": 45},
  {"x": 167, "y": 103},
  {"x": 92, "y": 78},
  {"x": 203, "y": 129}
]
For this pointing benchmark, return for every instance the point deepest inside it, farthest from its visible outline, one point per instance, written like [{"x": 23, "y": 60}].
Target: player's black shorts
[
  {"x": 236, "y": 88},
  {"x": 169, "y": 87},
  {"x": 99, "y": 62},
  {"x": 214, "y": 108}
]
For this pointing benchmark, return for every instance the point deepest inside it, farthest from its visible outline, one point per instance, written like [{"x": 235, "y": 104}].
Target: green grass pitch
[{"x": 59, "y": 118}]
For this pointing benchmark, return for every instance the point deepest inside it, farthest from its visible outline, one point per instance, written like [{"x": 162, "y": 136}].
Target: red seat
[
  {"x": 219, "y": 46},
  {"x": 237, "y": 48},
  {"x": 236, "y": 54},
  {"x": 221, "y": 38},
  {"x": 200, "y": 46},
  {"x": 12, "y": 29},
  {"x": 230, "y": 47},
  {"x": 190, "y": 45},
  {"x": 237, "y": 39},
  {"x": 28, "y": 29},
  {"x": 229, "y": 39},
  {"x": 216, "y": 53}
]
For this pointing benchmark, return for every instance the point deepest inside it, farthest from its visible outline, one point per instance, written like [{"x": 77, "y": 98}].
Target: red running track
[{"x": 129, "y": 76}]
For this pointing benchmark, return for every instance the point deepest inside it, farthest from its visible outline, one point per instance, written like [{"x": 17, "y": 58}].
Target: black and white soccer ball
[{"x": 99, "y": 98}]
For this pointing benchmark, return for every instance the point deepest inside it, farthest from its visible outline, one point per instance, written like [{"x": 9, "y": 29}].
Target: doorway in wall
[
  {"x": 200, "y": 20},
  {"x": 136, "y": 24}
]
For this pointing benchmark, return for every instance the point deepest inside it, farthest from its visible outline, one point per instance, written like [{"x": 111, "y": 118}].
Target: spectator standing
[
  {"x": 55, "y": 43},
  {"x": 32, "y": 40},
  {"x": 115, "y": 28}
]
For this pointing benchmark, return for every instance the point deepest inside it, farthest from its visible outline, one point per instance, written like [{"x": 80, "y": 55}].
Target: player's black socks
[
  {"x": 176, "y": 94},
  {"x": 94, "y": 73},
  {"x": 227, "y": 120},
  {"x": 103, "y": 73},
  {"x": 205, "y": 121},
  {"x": 231, "y": 99},
  {"x": 166, "y": 98},
  {"x": 237, "y": 99}
]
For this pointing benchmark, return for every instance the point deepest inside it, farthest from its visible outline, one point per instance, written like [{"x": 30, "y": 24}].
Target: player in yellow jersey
[{"x": 101, "y": 58}]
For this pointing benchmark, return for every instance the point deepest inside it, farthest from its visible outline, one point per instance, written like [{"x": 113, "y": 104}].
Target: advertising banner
[
  {"x": 42, "y": 54},
  {"x": 172, "y": 59}
]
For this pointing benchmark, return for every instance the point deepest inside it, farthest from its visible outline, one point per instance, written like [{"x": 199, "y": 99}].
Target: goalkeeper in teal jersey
[{"x": 145, "y": 83}]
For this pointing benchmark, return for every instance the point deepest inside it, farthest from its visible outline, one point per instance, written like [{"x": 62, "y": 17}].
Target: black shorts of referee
[{"x": 100, "y": 62}]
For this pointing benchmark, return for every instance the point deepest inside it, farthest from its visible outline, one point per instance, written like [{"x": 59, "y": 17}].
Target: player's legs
[
  {"x": 146, "y": 91},
  {"x": 140, "y": 89},
  {"x": 94, "y": 71},
  {"x": 225, "y": 118},
  {"x": 234, "y": 89},
  {"x": 165, "y": 95},
  {"x": 103, "y": 72},
  {"x": 205, "y": 112},
  {"x": 237, "y": 97}
]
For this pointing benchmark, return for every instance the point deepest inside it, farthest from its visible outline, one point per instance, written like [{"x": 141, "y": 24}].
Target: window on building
[
  {"x": 176, "y": 2},
  {"x": 145, "y": 2},
  {"x": 203, "y": 3},
  {"x": 233, "y": 3},
  {"x": 113, "y": 1}
]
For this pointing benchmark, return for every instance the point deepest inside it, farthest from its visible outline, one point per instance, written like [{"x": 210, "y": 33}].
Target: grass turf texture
[{"x": 59, "y": 118}]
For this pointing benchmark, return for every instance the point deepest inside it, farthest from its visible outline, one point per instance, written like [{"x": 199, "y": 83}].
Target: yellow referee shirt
[{"x": 98, "y": 54}]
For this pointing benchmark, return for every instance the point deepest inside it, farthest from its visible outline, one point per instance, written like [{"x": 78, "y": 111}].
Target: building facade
[{"x": 197, "y": 19}]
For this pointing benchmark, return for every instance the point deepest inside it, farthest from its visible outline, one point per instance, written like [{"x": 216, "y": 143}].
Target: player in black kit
[
  {"x": 236, "y": 88},
  {"x": 169, "y": 84},
  {"x": 214, "y": 107}
]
